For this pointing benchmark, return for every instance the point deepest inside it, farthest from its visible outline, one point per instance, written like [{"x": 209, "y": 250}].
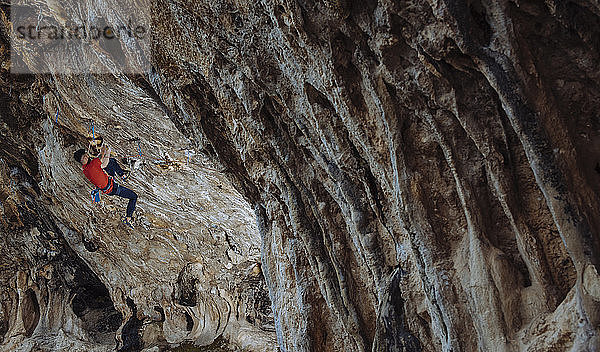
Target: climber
[{"x": 101, "y": 171}]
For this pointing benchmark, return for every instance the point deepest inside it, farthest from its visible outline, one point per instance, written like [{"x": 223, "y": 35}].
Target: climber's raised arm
[{"x": 105, "y": 156}]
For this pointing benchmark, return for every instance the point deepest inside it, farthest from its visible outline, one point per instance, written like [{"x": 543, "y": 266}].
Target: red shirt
[{"x": 94, "y": 172}]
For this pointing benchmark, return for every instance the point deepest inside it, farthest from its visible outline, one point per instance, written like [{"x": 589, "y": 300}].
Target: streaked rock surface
[
  {"x": 422, "y": 175},
  {"x": 188, "y": 273}
]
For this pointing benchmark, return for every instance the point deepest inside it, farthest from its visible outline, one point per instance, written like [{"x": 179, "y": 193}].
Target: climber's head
[{"x": 81, "y": 156}]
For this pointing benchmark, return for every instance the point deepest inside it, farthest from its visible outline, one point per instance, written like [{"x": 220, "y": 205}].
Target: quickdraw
[
  {"x": 139, "y": 149},
  {"x": 95, "y": 194}
]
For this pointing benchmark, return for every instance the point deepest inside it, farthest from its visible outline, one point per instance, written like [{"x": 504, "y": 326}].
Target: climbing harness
[
  {"x": 109, "y": 186},
  {"x": 95, "y": 193}
]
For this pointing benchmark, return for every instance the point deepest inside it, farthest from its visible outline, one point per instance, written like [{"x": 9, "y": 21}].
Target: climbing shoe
[{"x": 127, "y": 221}]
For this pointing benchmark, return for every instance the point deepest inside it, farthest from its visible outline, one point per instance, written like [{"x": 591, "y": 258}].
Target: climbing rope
[
  {"x": 39, "y": 18},
  {"x": 57, "y": 115}
]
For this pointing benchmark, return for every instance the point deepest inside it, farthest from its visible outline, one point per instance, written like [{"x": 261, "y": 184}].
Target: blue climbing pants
[{"x": 113, "y": 168}]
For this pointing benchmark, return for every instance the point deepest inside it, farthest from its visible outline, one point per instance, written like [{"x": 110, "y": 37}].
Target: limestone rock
[{"x": 411, "y": 175}]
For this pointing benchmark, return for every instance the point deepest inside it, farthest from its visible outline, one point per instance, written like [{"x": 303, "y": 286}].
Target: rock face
[
  {"x": 423, "y": 176},
  {"x": 73, "y": 276}
]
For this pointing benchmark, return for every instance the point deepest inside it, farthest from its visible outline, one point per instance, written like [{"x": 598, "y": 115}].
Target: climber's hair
[{"x": 78, "y": 154}]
